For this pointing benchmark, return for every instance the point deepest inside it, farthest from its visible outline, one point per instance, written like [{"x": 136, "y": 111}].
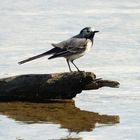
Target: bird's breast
[{"x": 89, "y": 45}]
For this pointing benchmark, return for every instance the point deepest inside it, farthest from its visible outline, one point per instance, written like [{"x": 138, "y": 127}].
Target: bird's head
[{"x": 88, "y": 32}]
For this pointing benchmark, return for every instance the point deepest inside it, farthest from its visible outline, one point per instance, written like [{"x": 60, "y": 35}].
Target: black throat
[{"x": 91, "y": 37}]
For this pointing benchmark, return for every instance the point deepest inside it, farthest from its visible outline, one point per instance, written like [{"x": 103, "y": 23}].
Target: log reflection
[{"x": 65, "y": 114}]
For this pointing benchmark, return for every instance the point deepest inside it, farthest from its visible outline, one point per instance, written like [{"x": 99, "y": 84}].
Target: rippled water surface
[{"x": 28, "y": 27}]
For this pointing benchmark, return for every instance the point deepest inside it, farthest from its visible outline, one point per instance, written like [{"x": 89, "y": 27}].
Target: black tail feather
[
  {"x": 52, "y": 51},
  {"x": 31, "y": 58}
]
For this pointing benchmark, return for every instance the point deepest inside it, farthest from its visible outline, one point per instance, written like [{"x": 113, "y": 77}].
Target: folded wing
[{"x": 73, "y": 46}]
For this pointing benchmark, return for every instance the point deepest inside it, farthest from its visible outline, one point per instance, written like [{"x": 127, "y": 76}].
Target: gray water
[{"x": 28, "y": 27}]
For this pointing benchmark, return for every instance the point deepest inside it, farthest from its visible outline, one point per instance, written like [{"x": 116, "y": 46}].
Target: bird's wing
[
  {"x": 62, "y": 45},
  {"x": 75, "y": 45}
]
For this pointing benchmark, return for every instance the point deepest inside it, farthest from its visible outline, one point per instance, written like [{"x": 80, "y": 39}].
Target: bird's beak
[{"x": 96, "y": 31}]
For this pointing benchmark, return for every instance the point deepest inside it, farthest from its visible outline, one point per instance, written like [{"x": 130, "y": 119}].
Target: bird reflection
[{"x": 65, "y": 114}]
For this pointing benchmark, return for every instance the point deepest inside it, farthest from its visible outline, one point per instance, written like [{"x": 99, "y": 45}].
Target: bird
[{"x": 71, "y": 49}]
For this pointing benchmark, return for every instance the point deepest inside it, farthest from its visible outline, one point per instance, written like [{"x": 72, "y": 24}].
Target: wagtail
[{"x": 70, "y": 49}]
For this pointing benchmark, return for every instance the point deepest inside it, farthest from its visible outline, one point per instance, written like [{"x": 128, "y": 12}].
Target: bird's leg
[
  {"x": 75, "y": 65},
  {"x": 69, "y": 65}
]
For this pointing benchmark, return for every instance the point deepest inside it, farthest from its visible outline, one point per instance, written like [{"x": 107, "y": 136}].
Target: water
[{"x": 29, "y": 27}]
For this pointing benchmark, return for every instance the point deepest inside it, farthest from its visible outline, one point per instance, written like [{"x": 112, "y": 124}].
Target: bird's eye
[{"x": 88, "y": 31}]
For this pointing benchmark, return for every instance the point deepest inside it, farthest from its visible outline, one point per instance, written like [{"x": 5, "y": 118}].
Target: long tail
[
  {"x": 52, "y": 51},
  {"x": 32, "y": 58}
]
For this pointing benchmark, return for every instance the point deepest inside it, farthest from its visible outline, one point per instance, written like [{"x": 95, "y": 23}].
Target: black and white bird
[{"x": 70, "y": 49}]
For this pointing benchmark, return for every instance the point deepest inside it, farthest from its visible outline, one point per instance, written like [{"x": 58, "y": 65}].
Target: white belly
[{"x": 75, "y": 56}]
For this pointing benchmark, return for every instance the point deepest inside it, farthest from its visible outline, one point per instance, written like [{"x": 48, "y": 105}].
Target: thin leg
[
  {"x": 69, "y": 65},
  {"x": 75, "y": 65}
]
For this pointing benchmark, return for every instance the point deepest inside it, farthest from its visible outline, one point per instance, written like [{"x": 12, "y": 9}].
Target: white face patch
[{"x": 92, "y": 29}]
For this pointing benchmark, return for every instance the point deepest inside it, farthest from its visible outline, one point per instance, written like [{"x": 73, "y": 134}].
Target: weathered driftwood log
[{"x": 43, "y": 87}]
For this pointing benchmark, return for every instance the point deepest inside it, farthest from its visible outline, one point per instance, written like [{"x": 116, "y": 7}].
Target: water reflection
[{"x": 65, "y": 114}]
